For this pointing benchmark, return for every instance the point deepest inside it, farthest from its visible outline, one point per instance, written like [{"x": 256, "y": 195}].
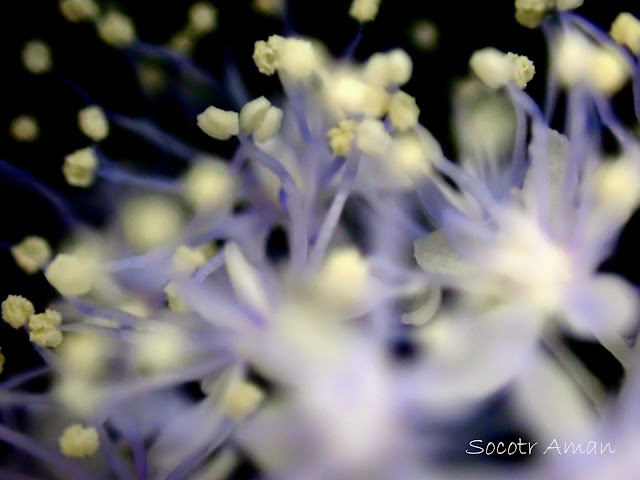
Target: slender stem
[{"x": 335, "y": 211}]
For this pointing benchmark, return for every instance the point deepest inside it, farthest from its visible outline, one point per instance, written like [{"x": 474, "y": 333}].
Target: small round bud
[
  {"x": 149, "y": 222},
  {"x": 84, "y": 354},
  {"x": 209, "y": 184},
  {"x": 161, "y": 350},
  {"x": 203, "y": 18},
  {"x": 70, "y": 275},
  {"x": 491, "y": 66},
  {"x": 79, "y": 167},
  {"x": 372, "y": 138},
  {"x": 343, "y": 277},
  {"x": 409, "y": 159},
  {"x": 364, "y": 10},
  {"x": 79, "y": 442},
  {"x": 36, "y": 57},
  {"x": 297, "y": 58},
  {"x": 78, "y": 10},
  {"x": 241, "y": 399},
  {"x": 608, "y": 70},
  {"x": 355, "y": 96},
  {"x": 116, "y": 29},
  {"x": 31, "y": 254},
  {"x": 425, "y": 35},
  {"x": 625, "y": 30},
  {"x": 618, "y": 185},
  {"x": 391, "y": 68},
  {"x": 93, "y": 123},
  {"x": 271, "y": 8},
  {"x": 24, "y": 128},
  {"x": 219, "y": 124},
  {"x": 572, "y": 59}
]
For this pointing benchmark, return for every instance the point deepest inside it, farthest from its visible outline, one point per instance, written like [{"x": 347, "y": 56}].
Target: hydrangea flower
[{"x": 180, "y": 345}]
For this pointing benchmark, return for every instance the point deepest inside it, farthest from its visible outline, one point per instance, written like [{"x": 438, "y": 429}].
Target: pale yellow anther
[
  {"x": 161, "y": 350},
  {"x": 79, "y": 168},
  {"x": 31, "y": 254},
  {"x": 403, "y": 111},
  {"x": 355, "y": 96},
  {"x": 187, "y": 260},
  {"x": 266, "y": 55},
  {"x": 36, "y": 57},
  {"x": 341, "y": 137},
  {"x": 174, "y": 300},
  {"x": 78, "y": 441},
  {"x": 618, "y": 185},
  {"x": 252, "y": 114},
  {"x": 492, "y": 67},
  {"x": 343, "y": 277},
  {"x": 372, "y": 138},
  {"x": 391, "y": 68},
  {"x": 241, "y": 399},
  {"x": 116, "y": 29},
  {"x": 93, "y": 122},
  {"x": 260, "y": 119},
  {"x": 150, "y": 221},
  {"x": 425, "y": 35},
  {"x": 219, "y": 124},
  {"x": 43, "y": 329},
  {"x": 608, "y": 70},
  {"x": 181, "y": 42},
  {"x": 409, "y": 159},
  {"x": 572, "y": 59},
  {"x": 364, "y": 10},
  {"x": 523, "y": 69},
  {"x": 297, "y": 58},
  {"x": 530, "y": 13},
  {"x": 84, "y": 354},
  {"x": 78, "y": 10},
  {"x": 24, "y": 128},
  {"x": 270, "y": 125},
  {"x": 401, "y": 67},
  {"x": 77, "y": 394},
  {"x": 209, "y": 184},
  {"x": 496, "y": 69},
  {"x": 17, "y": 310},
  {"x": 271, "y": 8},
  {"x": 203, "y": 17},
  {"x": 625, "y": 30},
  {"x": 70, "y": 275}
]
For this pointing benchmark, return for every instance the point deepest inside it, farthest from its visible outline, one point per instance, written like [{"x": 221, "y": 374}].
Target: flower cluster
[{"x": 406, "y": 291}]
